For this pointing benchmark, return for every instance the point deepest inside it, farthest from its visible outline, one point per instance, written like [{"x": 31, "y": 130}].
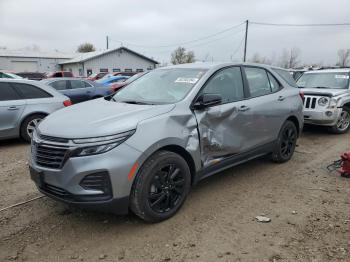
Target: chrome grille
[
  {"x": 310, "y": 102},
  {"x": 50, "y": 156},
  {"x": 54, "y": 139}
]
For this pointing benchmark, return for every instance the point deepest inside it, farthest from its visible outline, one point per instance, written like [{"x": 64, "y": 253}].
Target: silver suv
[
  {"x": 144, "y": 147},
  {"x": 23, "y": 104},
  {"x": 327, "y": 98}
]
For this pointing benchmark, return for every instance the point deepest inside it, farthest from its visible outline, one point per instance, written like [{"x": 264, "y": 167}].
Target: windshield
[
  {"x": 14, "y": 76},
  {"x": 163, "y": 86},
  {"x": 336, "y": 80}
]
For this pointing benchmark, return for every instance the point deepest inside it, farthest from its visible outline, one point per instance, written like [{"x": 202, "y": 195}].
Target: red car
[
  {"x": 119, "y": 85},
  {"x": 96, "y": 76}
]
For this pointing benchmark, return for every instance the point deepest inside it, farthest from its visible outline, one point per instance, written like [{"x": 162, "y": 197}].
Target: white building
[
  {"x": 120, "y": 59},
  {"x": 31, "y": 61}
]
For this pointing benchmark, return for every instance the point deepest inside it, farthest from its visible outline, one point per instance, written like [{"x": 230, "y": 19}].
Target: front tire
[
  {"x": 161, "y": 187},
  {"x": 286, "y": 143},
  {"x": 343, "y": 123},
  {"x": 28, "y": 126}
]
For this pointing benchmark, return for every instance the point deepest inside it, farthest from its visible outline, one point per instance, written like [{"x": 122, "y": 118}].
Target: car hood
[
  {"x": 98, "y": 117},
  {"x": 324, "y": 91}
]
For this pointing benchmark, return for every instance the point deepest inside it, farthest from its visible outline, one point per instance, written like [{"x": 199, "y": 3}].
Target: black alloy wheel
[
  {"x": 286, "y": 143},
  {"x": 160, "y": 186},
  {"x": 166, "y": 189}
]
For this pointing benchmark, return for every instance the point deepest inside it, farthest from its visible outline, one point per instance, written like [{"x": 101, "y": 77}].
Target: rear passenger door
[
  {"x": 11, "y": 109},
  {"x": 265, "y": 111}
]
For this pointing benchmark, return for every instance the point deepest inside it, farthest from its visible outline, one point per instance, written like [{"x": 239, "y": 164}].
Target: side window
[
  {"x": 7, "y": 93},
  {"x": 30, "y": 91},
  {"x": 59, "y": 85},
  {"x": 275, "y": 86},
  {"x": 86, "y": 84},
  {"x": 76, "y": 84},
  {"x": 258, "y": 82},
  {"x": 227, "y": 83}
]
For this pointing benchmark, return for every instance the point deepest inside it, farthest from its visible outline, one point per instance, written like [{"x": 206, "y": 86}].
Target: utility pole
[
  {"x": 107, "y": 42},
  {"x": 246, "y": 40}
]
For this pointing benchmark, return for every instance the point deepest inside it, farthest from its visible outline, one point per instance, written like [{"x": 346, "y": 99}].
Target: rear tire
[
  {"x": 161, "y": 187},
  {"x": 286, "y": 143},
  {"x": 343, "y": 123},
  {"x": 28, "y": 126}
]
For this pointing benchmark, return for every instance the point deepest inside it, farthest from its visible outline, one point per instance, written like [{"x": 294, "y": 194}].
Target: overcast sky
[{"x": 144, "y": 25}]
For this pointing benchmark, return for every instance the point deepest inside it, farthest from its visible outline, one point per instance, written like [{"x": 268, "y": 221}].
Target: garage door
[{"x": 24, "y": 66}]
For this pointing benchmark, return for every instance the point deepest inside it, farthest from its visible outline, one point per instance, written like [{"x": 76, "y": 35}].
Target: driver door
[{"x": 223, "y": 127}]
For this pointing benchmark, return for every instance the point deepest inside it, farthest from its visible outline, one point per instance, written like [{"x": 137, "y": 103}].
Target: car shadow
[{"x": 12, "y": 142}]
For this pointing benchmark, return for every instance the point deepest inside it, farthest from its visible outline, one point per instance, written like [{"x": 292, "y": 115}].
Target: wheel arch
[
  {"x": 295, "y": 120},
  {"x": 23, "y": 118},
  {"x": 347, "y": 105},
  {"x": 175, "y": 148}
]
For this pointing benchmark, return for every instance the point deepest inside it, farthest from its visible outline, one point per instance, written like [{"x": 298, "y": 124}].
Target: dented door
[{"x": 222, "y": 128}]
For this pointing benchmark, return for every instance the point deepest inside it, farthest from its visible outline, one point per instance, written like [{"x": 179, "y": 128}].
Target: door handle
[
  {"x": 281, "y": 98},
  {"x": 12, "y": 108},
  {"x": 243, "y": 108}
]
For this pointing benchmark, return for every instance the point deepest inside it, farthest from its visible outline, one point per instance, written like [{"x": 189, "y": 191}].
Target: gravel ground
[{"x": 309, "y": 211}]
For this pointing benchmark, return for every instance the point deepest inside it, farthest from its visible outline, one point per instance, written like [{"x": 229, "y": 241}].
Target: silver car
[
  {"x": 23, "y": 104},
  {"x": 144, "y": 147},
  {"x": 327, "y": 98}
]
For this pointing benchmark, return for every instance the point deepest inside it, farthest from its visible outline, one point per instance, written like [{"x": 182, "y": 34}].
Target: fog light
[{"x": 329, "y": 113}]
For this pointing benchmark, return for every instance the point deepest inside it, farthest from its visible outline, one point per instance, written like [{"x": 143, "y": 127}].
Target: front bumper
[
  {"x": 64, "y": 184},
  {"x": 319, "y": 117}
]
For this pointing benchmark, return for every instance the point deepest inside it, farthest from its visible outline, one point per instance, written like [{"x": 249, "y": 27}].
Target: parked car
[
  {"x": 145, "y": 147},
  {"x": 60, "y": 74},
  {"x": 4, "y": 74},
  {"x": 327, "y": 98},
  {"x": 124, "y": 73},
  {"x": 23, "y": 104},
  {"x": 118, "y": 85},
  {"x": 112, "y": 80},
  {"x": 32, "y": 75},
  {"x": 97, "y": 76},
  {"x": 77, "y": 89}
]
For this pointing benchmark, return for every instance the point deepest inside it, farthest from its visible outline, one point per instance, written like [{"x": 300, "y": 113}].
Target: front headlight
[
  {"x": 100, "y": 144},
  {"x": 323, "y": 101},
  {"x": 93, "y": 150}
]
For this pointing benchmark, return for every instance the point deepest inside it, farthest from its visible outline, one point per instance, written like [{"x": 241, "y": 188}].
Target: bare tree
[
  {"x": 260, "y": 59},
  {"x": 290, "y": 58},
  {"x": 86, "y": 48},
  {"x": 344, "y": 57},
  {"x": 180, "y": 56}
]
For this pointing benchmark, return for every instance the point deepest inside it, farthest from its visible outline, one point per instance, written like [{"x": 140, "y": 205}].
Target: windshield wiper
[
  {"x": 134, "y": 102},
  {"x": 321, "y": 87}
]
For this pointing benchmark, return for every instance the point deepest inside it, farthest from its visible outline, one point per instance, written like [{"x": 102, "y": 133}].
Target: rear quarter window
[
  {"x": 29, "y": 91},
  {"x": 286, "y": 76}
]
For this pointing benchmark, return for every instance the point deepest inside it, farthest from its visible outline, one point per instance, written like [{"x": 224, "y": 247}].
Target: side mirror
[{"x": 206, "y": 100}]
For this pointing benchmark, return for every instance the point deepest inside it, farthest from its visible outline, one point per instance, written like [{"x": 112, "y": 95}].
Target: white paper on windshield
[
  {"x": 341, "y": 76},
  {"x": 186, "y": 80}
]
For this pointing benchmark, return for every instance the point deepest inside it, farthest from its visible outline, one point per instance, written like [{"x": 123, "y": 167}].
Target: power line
[
  {"x": 305, "y": 25},
  {"x": 182, "y": 43}
]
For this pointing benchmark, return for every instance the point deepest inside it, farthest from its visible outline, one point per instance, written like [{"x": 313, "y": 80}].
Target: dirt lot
[{"x": 309, "y": 208}]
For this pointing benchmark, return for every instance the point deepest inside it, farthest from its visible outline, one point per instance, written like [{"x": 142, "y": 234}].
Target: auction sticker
[
  {"x": 341, "y": 76},
  {"x": 186, "y": 80}
]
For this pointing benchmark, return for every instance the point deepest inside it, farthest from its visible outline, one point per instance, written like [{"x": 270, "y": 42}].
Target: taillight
[
  {"x": 67, "y": 103},
  {"x": 302, "y": 96}
]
